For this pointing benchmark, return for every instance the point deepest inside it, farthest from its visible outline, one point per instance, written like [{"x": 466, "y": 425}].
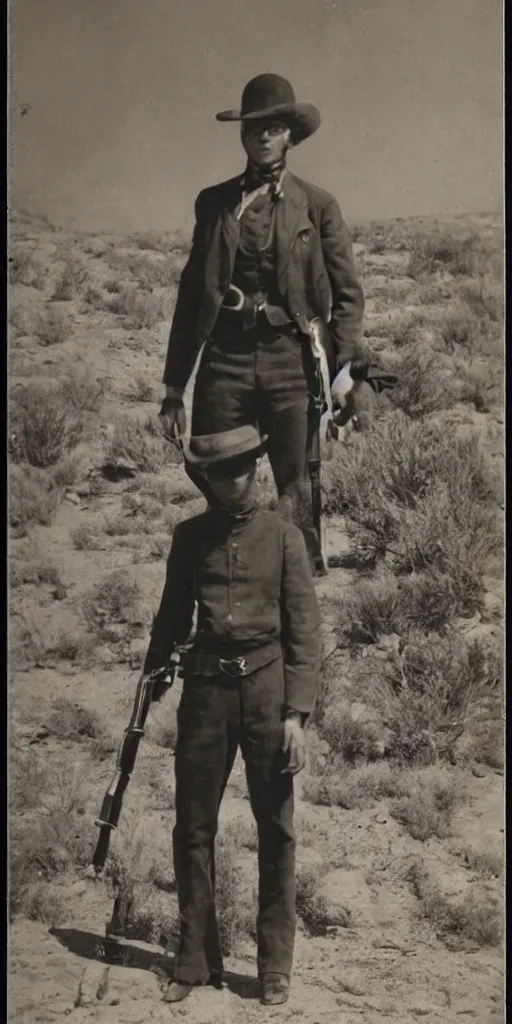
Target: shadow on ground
[{"x": 91, "y": 946}]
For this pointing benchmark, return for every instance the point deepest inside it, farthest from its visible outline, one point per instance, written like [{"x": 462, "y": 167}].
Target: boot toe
[
  {"x": 275, "y": 989},
  {"x": 177, "y": 991}
]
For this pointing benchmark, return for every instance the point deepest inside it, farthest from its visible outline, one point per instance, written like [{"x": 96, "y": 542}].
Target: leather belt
[{"x": 200, "y": 663}]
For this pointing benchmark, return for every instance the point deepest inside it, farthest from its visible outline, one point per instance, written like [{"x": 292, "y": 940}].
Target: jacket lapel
[
  {"x": 291, "y": 218},
  {"x": 230, "y": 229}
]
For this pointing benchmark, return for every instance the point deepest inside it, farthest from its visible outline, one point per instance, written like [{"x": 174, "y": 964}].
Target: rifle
[
  {"x": 319, "y": 399},
  {"x": 159, "y": 679}
]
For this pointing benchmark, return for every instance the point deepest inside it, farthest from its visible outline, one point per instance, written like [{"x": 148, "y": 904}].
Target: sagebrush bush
[
  {"x": 43, "y": 425},
  {"x": 71, "y": 279},
  {"x": 426, "y": 498},
  {"x": 475, "y": 918},
  {"x": 33, "y": 498},
  {"x": 115, "y": 600},
  {"x": 442, "y": 250},
  {"x": 138, "y": 308},
  {"x": 49, "y": 831},
  {"x": 53, "y": 327},
  {"x": 25, "y": 268},
  {"x": 428, "y": 809},
  {"x": 69, "y": 720},
  {"x": 141, "y": 442}
]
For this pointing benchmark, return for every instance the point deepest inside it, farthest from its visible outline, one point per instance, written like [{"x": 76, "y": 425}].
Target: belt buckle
[{"x": 238, "y": 663}]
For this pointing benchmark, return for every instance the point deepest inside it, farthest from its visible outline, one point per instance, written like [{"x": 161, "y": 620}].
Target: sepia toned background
[
  {"x": 122, "y": 97},
  {"x": 399, "y": 810}
]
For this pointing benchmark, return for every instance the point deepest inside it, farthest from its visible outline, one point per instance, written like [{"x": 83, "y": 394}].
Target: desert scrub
[
  {"x": 359, "y": 786},
  {"x": 49, "y": 832},
  {"x": 431, "y": 251},
  {"x": 116, "y": 600},
  {"x": 419, "y": 700},
  {"x": 420, "y": 495},
  {"x": 474, "y": 919},
  {"x": 141, "y": 442},
  {"x": 53, "y": 327},
  {"x": 69, "y": 720},
  {"x": 427, "y": 382},
  {"x": 400, "y": 330},
  {"x": 71, "y": 279},
  {"x": 140, "y": 389},
  {"x": 428, "y": 808},
  {"x": 43, "y": 425},
  {"x": 33, "y": 498},
  {"x": 84, "y": 391},
  {"x": 87, "y": 538},
  {"x": 458, "y": 326},
  {"x": 25, "y": 268},
  {"x": 139, "y": 309}
]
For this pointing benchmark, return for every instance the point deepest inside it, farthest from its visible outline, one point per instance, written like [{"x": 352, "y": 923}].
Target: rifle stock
[{"x": 112, "y": 802}]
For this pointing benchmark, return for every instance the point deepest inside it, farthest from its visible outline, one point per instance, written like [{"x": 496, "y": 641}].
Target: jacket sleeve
[
  {"x": 347, "y": 293},
  {"x": 173, "y": 621},
  {"x": 300, "y": 617},
  {"x": 183, "y": 345}
]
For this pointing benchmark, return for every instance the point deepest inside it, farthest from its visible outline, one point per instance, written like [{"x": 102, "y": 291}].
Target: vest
[{"x": 255, "y": 261}]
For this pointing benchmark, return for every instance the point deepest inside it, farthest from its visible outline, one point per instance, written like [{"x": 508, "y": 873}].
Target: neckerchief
[{"x": 258, "y": 181}]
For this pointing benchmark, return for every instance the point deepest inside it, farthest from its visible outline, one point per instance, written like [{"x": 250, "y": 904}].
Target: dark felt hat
[
  {"x": 206, "y": 450},
  {"x": 273, "y": 97}
]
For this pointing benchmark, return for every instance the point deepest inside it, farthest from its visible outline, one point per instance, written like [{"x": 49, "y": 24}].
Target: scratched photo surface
[{"x": 256, "y": 511}]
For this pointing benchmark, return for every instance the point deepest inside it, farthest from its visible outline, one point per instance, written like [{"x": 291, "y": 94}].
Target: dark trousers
[
  {"x": 260, "y": 376},
  {"x": 214, "y": 718}
]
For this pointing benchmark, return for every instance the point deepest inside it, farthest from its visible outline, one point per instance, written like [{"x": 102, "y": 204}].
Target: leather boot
[{"x": 274, "y": 989}]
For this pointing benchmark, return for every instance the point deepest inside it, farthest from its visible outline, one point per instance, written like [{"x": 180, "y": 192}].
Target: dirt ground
[{"x": 384, "y": 960}]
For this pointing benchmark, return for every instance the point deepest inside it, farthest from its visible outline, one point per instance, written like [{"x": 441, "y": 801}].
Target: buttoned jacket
[
  {"x": 253, "y": 587},
  {"x": 316, "y": 274}
]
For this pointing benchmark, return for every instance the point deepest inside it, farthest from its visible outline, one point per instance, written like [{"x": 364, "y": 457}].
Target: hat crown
[{"x": 265, "y": 92}]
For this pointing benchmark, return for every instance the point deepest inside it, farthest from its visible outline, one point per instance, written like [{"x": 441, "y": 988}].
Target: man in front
[
  {"x": 250, "y": 681},
  {"x": 270, "y": 252}
]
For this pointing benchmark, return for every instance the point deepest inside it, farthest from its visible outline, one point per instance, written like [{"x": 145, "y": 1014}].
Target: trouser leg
[
  {"x": 271, "y": 796},
  {"x": 205, "y": 751}
]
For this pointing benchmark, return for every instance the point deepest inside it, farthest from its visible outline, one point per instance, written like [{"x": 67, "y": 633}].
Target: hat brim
[
  {"x": 304, "y": 118},
  {"x": 202, "y": 464}
]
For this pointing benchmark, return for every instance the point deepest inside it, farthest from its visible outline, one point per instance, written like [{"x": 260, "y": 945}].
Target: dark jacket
[
  {"x": 315, "y": 270},
  {"x": 252, "y": 583}
]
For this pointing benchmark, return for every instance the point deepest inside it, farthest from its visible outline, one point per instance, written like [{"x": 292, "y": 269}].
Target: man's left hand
[{"x": 294, "y": 744}]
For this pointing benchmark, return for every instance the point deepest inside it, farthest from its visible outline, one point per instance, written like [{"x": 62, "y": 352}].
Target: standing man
[
  {"x": 249, "y": 681},
  {"x": 270, "y": 252}
]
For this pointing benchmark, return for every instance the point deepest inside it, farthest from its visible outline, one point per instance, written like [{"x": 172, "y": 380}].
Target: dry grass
[
  {"x": 356, "y": 787},
  {"x": 53, "y": 327},
  {"x": 87, "y": 538},
  {"x": 442, "y": 250},
  {"x": 139, "y": 309},
  {"x": 71, "y": 279},
  {"x": 474, "y": 920},
  {"x": 426, "y": 499},
  {"x": 25, "y": 268},
  {"x": 141, "y": 442},
  {"x": 114, "y": 602},
  {"x": 50, "y": 832},
  {"x": 33, "y": 498},
  {"x": 43, "y": 425},
  {"x": 428, "y": 808}
]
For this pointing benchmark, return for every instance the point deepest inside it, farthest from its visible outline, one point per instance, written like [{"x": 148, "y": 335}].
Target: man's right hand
[{"x": 173, "y": 417}]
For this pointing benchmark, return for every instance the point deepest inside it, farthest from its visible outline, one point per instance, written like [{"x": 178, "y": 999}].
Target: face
[
  {"x": 266, "y": 142},
  {"x": 233, "y": 491}
]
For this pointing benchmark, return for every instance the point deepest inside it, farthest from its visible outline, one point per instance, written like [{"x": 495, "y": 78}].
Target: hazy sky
[{"x": 122, "y": 95}]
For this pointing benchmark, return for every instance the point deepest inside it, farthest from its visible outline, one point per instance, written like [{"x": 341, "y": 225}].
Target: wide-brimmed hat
[
  {"x": 270, "y": 96},
  {"x": 206, "y": 450}
]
